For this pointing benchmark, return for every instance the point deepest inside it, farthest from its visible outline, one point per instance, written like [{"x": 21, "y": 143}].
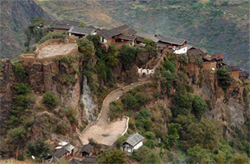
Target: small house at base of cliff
[{"x": 134, "y": 142}]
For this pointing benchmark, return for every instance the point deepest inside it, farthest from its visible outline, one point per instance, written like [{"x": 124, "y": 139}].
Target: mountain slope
[{"x": 15, "y": 17}]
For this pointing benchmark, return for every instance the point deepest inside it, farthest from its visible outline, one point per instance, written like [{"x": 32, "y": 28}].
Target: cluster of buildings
[
  {"x": 88, "y": 154},
  {"x": 124, "y": 35}
]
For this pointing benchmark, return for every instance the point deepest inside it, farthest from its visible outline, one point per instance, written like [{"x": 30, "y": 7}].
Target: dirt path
[{"x": 104, "y": 132}]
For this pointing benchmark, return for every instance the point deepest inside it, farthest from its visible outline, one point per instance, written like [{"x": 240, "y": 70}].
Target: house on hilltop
[
  {"x": 170, "y": 42},
  {"x": 63, "y": 26},
  {"x": 119, "y": 36},
  {"x": 81, "y": 32},
  {"x": 134, "y": 142},
  {"x": 234, "y": 71}
]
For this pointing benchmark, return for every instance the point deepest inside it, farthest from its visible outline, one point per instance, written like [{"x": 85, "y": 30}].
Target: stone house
[
  {"x": 81, "y": 32},
  {"x": 87, "y": 150},
  {"x": 134, "y": 142},
  {"x": 170, "y": 42},
  {"x": 209, "y": 63},
  {"x": 119, "y": 36},
  {"x": 235, "y": 71},
  {"x": 243, "y": 76},
  {"x": 62, "y": 26},
  {"x": 63, "y": 150}
]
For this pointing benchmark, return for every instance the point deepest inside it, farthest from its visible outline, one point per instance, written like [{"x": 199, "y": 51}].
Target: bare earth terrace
[{"x": 56, "y": 50}]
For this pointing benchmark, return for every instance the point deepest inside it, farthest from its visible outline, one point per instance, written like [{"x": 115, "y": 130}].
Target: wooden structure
[
  {"x": 87, "y": 150},
  {"x": 81, "y": 32},
  {"x": 235, "y": 72},
  {"x": 119, "y": 36}
]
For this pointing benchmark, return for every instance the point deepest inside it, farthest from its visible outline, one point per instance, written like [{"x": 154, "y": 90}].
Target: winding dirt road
[{"x": 104, "y": 132}]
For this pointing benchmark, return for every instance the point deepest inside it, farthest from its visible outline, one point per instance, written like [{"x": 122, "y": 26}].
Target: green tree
[
  {"x": 150, "y": 135},
  {"x": 199, "y": 106},
  {"x": 38, "y": 148},
  {"x": 169, "y": 66},
  {"x": 19, "y": 71},
  {"x": 50, "y": 100},
  {"x": 95, "y": 39},
  {"x": 115, "y": 110},
  {"x": 16, "y": 136},
  {"x": 172, "y": 136},
  {"x": 240, "y": 159},
  {"x": 86, "y": 47},
  {"x": 140, "y": 153},
  {"x": 130, "y": 102},
  {"x": 128, "y": 55},
  {"x": 182, "y": 103},
  {"x": 144, "y": 113},
  {"x": 224, "y": 78},
  {"x": 22, "y": 89},
  {"x": 199, "y": 155},
  {"x": 152, "y": 158},
  {"x": 112, "y": 156},
  {"x": 150, "y": 144}
]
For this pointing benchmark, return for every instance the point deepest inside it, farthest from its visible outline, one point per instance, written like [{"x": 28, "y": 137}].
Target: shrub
[
  {"x": 95, "y": 39},
  {"x": 22, "y": 89},
  {"x": 86, "y": 47},
  {"x": 150, "y": 135},
  {"x": 16, "y": 136},
  {"x": 50, "y": 100},
  {"x": 141, "y": 98},
  {"x": 128, "y": 55},
  {"x": 141, "y": 153},
  {"x": 115, "y": 110},
  {"x": 152, "y": 158},
  {"x": 172, "y": 137},
  {"x": 169, "y": 66},
  {"x": 199, "y": 155},
  {"x": 199, "y": 106},
  {"x": 224, "y": 79},
  {"x": 19, "y": 71},
  {"x": 38, "y": 148},
  {"x": 143, "y": 114},
  {"x": 71, "y": 114},
  {"x": 150, "y": 144},
  {"x": 112, "y": 156},
  {"x": 22, "y": 101},
  {"x": 52, "y": 35},
  {"x": 182, "y": 103},
  {"x": 130, "y": 102}
]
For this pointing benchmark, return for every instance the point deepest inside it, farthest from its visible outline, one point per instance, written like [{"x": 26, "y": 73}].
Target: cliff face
[{"x": 227, "y": 108}]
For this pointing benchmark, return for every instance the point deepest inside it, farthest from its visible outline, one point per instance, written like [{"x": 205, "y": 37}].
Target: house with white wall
[{"x": 134, "y": 142}]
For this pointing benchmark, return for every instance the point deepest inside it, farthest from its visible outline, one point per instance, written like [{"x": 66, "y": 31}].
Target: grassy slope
[{"x": 215, "y": 27}]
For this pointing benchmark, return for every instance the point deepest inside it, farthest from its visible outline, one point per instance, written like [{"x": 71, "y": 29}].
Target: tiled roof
[
  {"x": 233, "y": 68},
  {"x": 195, "y": 52},
  {"x": 60, "y": 153},
  {"x": 82, "y": 30},
  {"x": 64, "y": 25},
  {"x": 127, "y": 37},
  {"x": 170, "y": 40},
  {"x": 87, "y": 148},
  {"x": 89, "y": 160},
  {"x": 116, "y": 31},
  {"x": 143, "y": 35},
  {"x": 134, "y": 139},
  {"x": 244, "y": 74}
]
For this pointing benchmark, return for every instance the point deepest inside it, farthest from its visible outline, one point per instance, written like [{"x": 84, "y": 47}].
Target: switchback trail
[{"x": 102, "y": 131}]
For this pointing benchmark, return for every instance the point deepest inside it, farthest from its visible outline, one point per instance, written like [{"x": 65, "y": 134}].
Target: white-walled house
[{"x": 134, "y": 142}]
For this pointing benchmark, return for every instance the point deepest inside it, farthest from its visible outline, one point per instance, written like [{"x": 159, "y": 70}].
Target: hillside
[{"x": 15, "y": 18}]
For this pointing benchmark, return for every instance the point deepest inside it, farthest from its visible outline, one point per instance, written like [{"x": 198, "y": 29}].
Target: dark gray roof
[
  {"x": 116, "y": 31},
  {"x": 143, "y": 35},
  {"x": 171, "y": 40},
  {"x": 244, "y": 74},
  {"x": 74, "y": 161},
  {"x": 134, "y": 139},
  {"x": 89, "y": 160},
  {"x": 60, "y": 153},
  {"x": 127, "y": 37},
  {"x": 87, "y": 148},
  {"x": 82, "y": 30},
  {"x": 233, "y": 68},
  {"x": 195, "y": 52}
]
